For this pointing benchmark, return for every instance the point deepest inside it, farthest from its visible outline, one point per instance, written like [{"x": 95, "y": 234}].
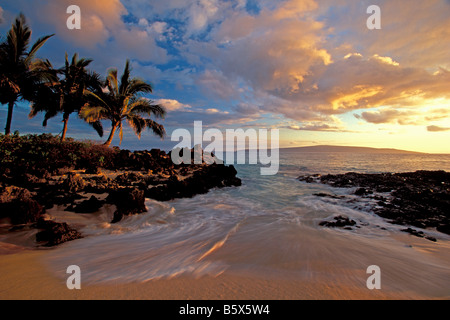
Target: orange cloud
[
  {"x": 437, "y": 129},
  {"x": 405, "y": 116},
  {"x": 101, "y": 26},
  {"x": 286, "y": 56},
  {"x": 172, "y": 105},
  {"x": 274, "y": 50},
  {"x": 99, "y": 19}
]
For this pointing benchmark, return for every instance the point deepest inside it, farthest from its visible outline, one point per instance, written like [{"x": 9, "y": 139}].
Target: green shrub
[{"x": 45, "y": 152}]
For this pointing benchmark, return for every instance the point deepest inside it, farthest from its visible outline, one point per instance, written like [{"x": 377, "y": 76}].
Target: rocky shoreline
[
  {"x": 128, "y": 178},
  {"x": 420, "y": 199}
]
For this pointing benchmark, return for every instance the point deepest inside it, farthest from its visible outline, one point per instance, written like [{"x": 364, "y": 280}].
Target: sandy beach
[
  {"x": 27, "y": 273},
  {"x": 23, "y": 276}
]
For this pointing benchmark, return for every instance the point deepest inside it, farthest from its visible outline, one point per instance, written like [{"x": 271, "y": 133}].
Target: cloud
[
  {"x": 172, "y": 105},
  {"x": 200, "y": 13},
  {"x": 215, "y": 84},
  {"x": 288, "y": 61},
  {"x": 247, "y": 108},
  {"x": 405, "y": 116},
  {"x": 209, "y": 117},
  {"x": 437, "y": 129},
  {"x": 328, "y": 124},
  {"x": 385, "y": 116},
  {"x": 139, "y": 44},
  {"x": 317, "y": 127},
  {"x": 308, "y": 61},
  {"x": 192, "y": 17},
  {"x": 99, "y": 19},
  {"x": 357, "y": 82},
  {"x": 158, "y": 27},
  {"x": 273, "y": 51},
  {"x": 413, "y": 35},
  {"x": 103, "y": 29},
  {"x": 387, "y": 60}
]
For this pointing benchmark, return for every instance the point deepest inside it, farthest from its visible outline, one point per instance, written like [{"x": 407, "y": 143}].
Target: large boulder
[
  {"x": 9, "y": 193},
  {"x": 54, "y": 233},
  {"x": 74, "y": 183},
  {"x": 87, "y": 206},
  {"x": 18, "y": 205},
  {"x": 130, "y": 178},
  {"x": 127, "y": 201},
  {"x": 201, "y": 181},
  {"x": 25, "y": 211}
]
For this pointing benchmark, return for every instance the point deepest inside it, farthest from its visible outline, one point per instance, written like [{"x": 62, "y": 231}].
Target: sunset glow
[
  {"x": 201, "y": 151},
  {"x": 309, "y": 68}
]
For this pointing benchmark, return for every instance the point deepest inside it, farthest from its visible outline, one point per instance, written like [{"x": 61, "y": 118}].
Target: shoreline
[
  {"x": 44, "y": 205},
  {"x": 24, "y": 277},
  {"x": 29, "y": 274},
  {"x": 84, "y": 178}
]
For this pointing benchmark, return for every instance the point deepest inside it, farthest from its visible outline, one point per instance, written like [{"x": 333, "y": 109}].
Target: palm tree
[
  {"x": 20, "y": 70},
  {"x": 123, "y": 101},
  {"x": 67, "y": 95}
]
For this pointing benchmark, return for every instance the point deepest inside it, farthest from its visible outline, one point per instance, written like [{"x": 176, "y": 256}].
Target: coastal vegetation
[{"x": 72, "y": 88}]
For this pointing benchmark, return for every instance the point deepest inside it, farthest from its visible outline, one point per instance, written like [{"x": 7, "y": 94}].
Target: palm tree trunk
[
  {"x": 111, "y": 135},
  {"x": 63, "y": 136},
  {"x": 9, "y": 119}
]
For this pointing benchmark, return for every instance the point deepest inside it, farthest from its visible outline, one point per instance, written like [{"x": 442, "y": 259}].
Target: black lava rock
[
  {"x": 87, "y": 206},
  {"x": 54, "y": 233},
  {"x": 420, "y": 199},
  {"x": 128, "y": 202},
  {"x": 339, "y": 222}
]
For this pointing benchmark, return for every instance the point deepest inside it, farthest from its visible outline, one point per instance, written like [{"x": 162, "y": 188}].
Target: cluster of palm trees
[{"x": 72, "y": 88}]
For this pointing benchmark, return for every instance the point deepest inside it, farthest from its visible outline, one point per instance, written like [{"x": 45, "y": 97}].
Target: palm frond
[
  {"x": 125, "y": 80},
  {"x": 74, "y": 59},
  {"x": 48, "y": 115},
  {"x": 18, "y": 39},
  {"x": 96, "y": 98},
  {"x": 97, "y": 125},
  {"x": 42, "y": 71},
  {"x": 36, "y": 46},
  {"x": 138, "y": 86},
  {"x": 94, "y": 81},
  {"x": 157, "y": 128},
  {"x": 92, "y": 114},
  {"x": 137, "y": 124},
  {"x": 112, "y": 81},
  {"x": 45, "y": 99},
  {"x": 145, "y": 106}
]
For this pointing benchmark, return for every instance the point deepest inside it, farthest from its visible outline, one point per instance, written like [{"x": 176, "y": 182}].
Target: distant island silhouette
[{"x": 327, "y": 148}]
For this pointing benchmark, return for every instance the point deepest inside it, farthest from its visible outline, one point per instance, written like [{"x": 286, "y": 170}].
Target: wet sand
[{"x": 24, "y": 276}]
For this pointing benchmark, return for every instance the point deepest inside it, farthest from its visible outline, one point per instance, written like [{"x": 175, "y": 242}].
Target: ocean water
[{"x": 268, "y": 227}]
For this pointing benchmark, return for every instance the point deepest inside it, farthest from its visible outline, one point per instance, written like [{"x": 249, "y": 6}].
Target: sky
[{"x": 310, "y": 68}]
